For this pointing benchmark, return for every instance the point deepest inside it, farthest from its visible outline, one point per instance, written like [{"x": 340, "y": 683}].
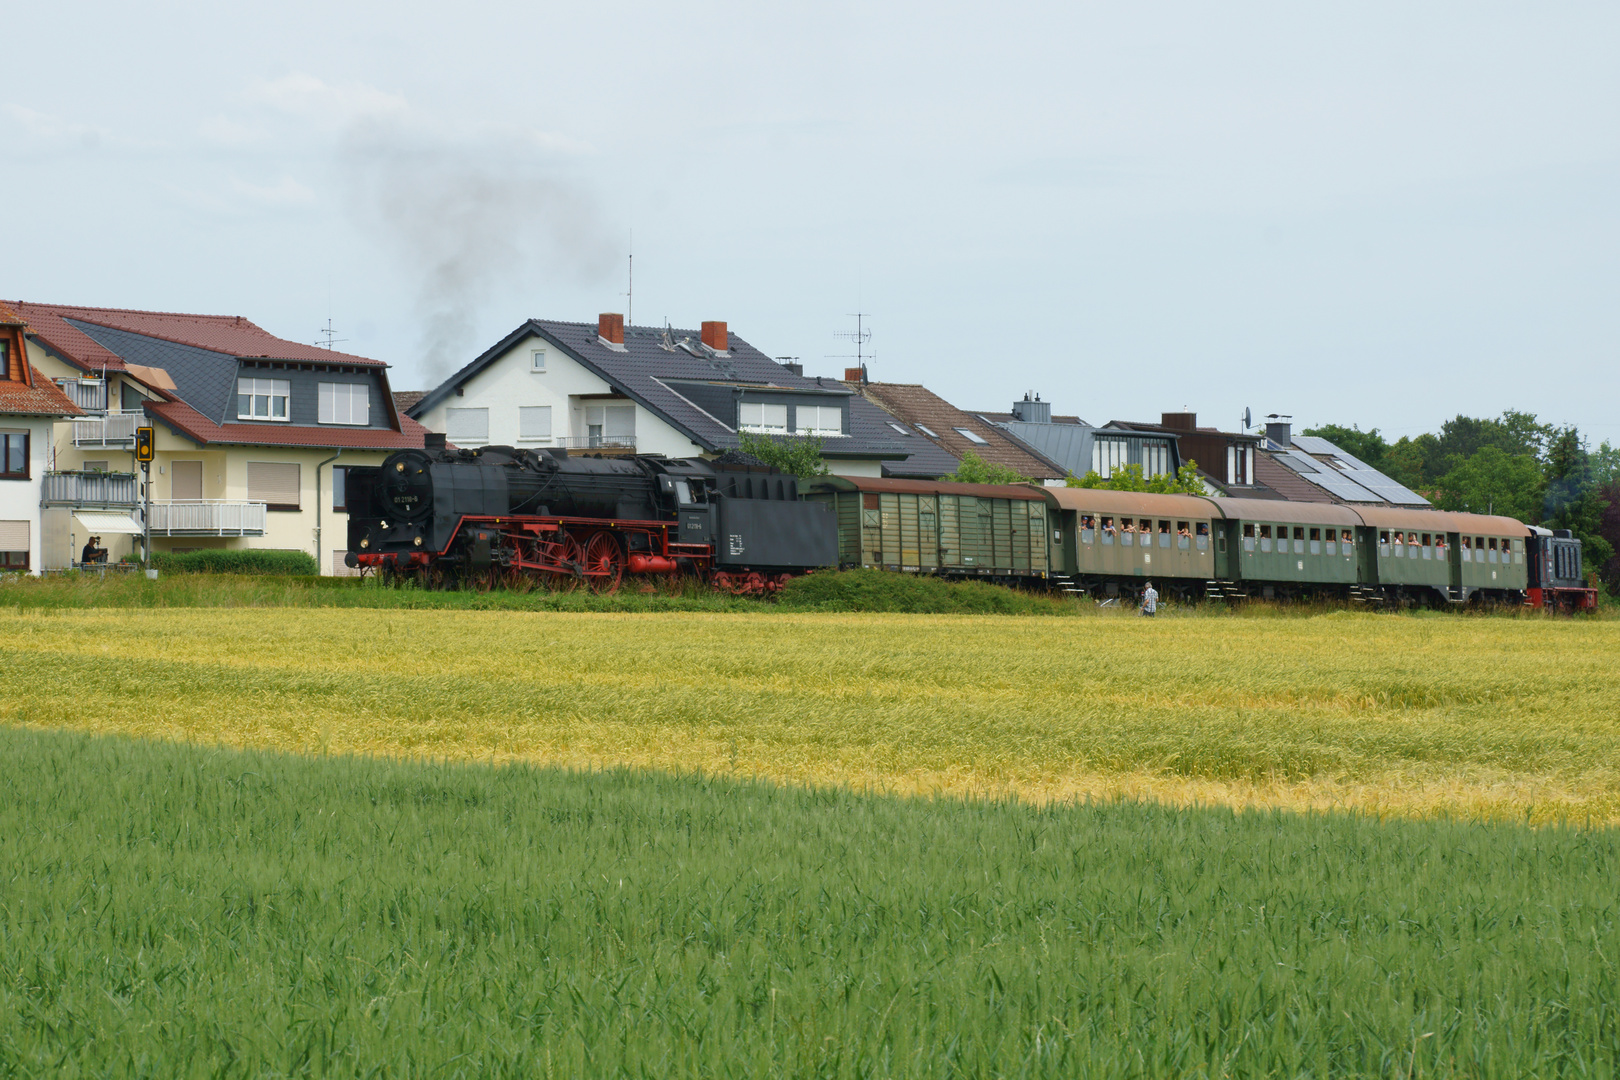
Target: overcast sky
[{"x": 1367, "y": 213}]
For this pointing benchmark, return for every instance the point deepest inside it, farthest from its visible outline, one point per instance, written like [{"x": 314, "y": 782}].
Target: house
[
  {"x": 608, "y": 388},
  {"x": 30, "y": 406},
  {"x": 917, "y": 410},
  {"x": 1307, "y": 468},
  {"x": 253, "y": 432},
  {"x": 1225, "y": 459},
  {"x": 1078, "y": 447}
]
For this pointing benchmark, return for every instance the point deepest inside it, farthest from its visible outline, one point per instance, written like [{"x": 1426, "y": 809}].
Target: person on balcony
[{"x": 93, "y": 552}]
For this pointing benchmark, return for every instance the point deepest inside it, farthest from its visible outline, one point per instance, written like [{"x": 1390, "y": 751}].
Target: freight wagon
[{"x": 993, "y": 531}]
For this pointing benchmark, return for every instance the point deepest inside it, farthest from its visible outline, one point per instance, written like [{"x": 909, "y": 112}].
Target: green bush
[
  {"x": 882, "y": 590},
  {"x": 224, "y": 561}
]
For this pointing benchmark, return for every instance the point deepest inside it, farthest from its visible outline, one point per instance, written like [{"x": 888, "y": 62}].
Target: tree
[
  {"x": 800, "y": 456},
  {"x": 973, "y": 469},
  {"x": 1130, "y": 478},
  {"x": 1367, "y": 446},
  {"x": 1492, "y": 481},
  {"x": 1574, "y": 497},
  {"x": 1406, "y": 462}
]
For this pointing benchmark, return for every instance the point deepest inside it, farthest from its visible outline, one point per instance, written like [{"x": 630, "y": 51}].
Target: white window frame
[
  {"x": 537, "y": 361},
  {"x": 821, "y": 414},
  {"x": 527, "y": 426},
  {"x": 762, "y": 416},
  {"x": 267, "y": 389},
  {"x": 464, "y": 436},
  {"x": 336, "y": 403}
]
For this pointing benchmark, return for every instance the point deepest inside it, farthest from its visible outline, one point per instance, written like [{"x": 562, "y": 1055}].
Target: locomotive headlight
[
  {"x": 418, "y": 541},
  {"x": 385, "y": 524},
  {"x": 399, "y": 466},
  {"x": 365, "y": 542}
]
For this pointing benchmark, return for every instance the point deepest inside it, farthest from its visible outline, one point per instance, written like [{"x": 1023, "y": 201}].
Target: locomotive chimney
[
  {"x": 433, "y": 440},
  {"x": 715, "y": 336},
  {"x": 610, "y": 328}
]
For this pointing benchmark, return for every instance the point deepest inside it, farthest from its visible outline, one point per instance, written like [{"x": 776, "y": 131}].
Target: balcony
[
  {"x": 115, "y": 430},
  {"x": 208, "y": 517},
  {"x": 88, "y": 394},
  {"x": 600, "y": 444},
  {"x": 89, "y": 489}
]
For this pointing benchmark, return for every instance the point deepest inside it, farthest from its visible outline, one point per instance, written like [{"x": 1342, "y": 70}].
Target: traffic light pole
[{"x": 146, "y": 515}]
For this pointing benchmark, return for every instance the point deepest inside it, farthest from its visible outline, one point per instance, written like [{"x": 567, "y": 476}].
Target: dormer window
[
  {"x": 344, "y": 403},
  {"x": 759, "y": 416},
  {"x": 262, "y": 399},
  {"x": 819, "y": 420}
]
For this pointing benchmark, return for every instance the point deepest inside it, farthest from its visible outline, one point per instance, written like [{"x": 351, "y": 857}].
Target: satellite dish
[{"x": 1247, "y": 422}]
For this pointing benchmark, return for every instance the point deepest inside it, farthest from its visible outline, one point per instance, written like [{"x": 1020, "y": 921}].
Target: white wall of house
[
  {"x": 511, "y": 383},
  {"x": 20, "y": 520}
]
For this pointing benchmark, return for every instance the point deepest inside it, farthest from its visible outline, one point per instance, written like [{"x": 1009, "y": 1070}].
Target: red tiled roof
[
  {"x": 230, "y": 334},
  {"x": 44, "y": 398},
  {"x": 194, "y": 425},
  {"x": 915, "y": 404}
]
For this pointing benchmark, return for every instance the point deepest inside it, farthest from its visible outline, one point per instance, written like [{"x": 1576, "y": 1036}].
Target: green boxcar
[{"x": 931, "y": 526}]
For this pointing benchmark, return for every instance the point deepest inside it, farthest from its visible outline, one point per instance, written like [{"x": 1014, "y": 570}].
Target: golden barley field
[{"x": 1493, "y": 718}]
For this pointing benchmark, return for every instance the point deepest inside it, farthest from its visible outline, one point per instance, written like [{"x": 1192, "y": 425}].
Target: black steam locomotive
[{"x": 501, "y": 515}]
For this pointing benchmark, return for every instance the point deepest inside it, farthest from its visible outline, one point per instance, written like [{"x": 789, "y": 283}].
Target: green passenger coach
[
  {"x": 1269, "y": 547},
  {"x": 1114, "y": 540}
]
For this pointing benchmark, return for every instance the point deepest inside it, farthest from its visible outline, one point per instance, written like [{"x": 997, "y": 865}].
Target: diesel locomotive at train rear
[{"x": 499, "y": 515}]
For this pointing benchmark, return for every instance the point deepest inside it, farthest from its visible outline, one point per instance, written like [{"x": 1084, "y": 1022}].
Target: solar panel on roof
[
  {"x": 1303, "y": 464},
  {"x": 1386, "y": 488},
  {"x": 1342, "y": 486}
]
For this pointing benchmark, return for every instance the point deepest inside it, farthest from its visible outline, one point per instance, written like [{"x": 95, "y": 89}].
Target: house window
[
  {"x": 822, "y": 420},
  {"x": 1108, "y": 455},
  {"x": 467, "y": 427},
  {"x": 900, "y": 429},
  {"x": 344, "y": 403},
  {"x": 275, "y": 483},
  {"x": 93, "y": 466},
  {"x": 14, "y": 543},
  {"x": 340, "y": 488},
  {"x": 928, "y": 431},
  {"x": 262, "y": 399},
  {"x": 1155, "y": 458},
  {"x": 610, "y": 425},
  {"x": 14, "y": 455},
  {"x": 537, "y": 361},
  {"x": 758, "y": 416},
  {"x": 971, "y": 436},
  {"x": 534, "y": 423},
  {"x": 129, "y": 398}
]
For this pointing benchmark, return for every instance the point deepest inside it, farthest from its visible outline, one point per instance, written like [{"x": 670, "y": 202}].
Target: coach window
[
  {"x": 1088, "y": 528},
  {"x": 1299, "y": 539},
  {"x": 1108, "y": 530},
  {"x": 1265, "y": 538},
  {"x": 1347, "y": 538},
  {"x": 1248, "y": 538},
  {"x": 1518, "y": 551},
  {"x": 1316, "y": 541},
  {"x": 1490, "y": 546},
  {"x": 1164, "y": 534},
  {"x": 1383, "y": 542},
  {"x": 1183, "y": 537},
  {"x": 1203, "y": 535},
  {"x": 1467, "y": 550},
  {"x": 1332, "y": 548},
  {"x": 1127, "y": 531}
]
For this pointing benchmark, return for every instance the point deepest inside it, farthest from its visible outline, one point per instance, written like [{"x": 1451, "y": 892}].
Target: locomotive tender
[{"x": 499, "y": 515}]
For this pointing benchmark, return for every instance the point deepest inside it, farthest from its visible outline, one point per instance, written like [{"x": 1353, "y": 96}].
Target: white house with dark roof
[
  {"x": 253, "y": 432},
  {"x": 612, "y": 389},
  {"x": 30, "y": 407}
]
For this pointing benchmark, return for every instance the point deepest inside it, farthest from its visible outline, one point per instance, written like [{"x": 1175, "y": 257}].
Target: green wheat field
[{"x": 373, "y": 842}]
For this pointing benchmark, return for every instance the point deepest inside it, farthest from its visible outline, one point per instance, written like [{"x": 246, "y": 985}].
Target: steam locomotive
[{"x": 500, "y": 515}]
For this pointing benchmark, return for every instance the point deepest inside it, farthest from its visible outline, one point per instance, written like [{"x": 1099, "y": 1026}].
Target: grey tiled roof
[
  {"x": 654, "y": 357},
  {"x": 203, "y": 379}
]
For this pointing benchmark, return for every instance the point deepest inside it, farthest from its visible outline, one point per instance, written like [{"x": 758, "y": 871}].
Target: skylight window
[
  {"x": 926, "y": 430},
  {"x": 900, "y": 429},
  {"x": 971, "y": 436}
]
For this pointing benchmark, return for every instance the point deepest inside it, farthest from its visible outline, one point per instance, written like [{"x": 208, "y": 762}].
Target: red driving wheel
[{"x": 604, "y": 562}]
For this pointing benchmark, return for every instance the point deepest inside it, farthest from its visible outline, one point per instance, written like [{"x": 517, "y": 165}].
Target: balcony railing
[
  {"x": 208, "y": 517},
  {"x": 114, "y": 429},
  {"x": 88, "y": 489},
  {"x": 88, "y": 394},
  {"x": 620, "y": 443}
]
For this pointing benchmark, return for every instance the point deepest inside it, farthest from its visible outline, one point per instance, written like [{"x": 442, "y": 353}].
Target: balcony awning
[{"x": 99, "y": 522}]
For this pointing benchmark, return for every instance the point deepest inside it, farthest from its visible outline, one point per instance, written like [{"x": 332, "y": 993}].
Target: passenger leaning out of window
[{"x": 1182, "y": 531}]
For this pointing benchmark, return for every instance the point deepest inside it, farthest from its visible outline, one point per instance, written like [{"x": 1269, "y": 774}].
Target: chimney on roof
[
  {"x": 1033, "y": 411},
  {"x": 793, "y": 366},
  {"x": 610, "y": 328},
  {"x": 856, "y": 375},
  {"x": 1181, "y": 421},
  {"x": 1281, "y": 433},
  {"x": 715, "y": 336}
]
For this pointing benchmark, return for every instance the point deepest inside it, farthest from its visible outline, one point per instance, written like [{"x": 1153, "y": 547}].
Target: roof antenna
[
  {"x": 860, "y": 336},
  {"x": 630, "y": 284},
  {"x": 328, "y": 336}
]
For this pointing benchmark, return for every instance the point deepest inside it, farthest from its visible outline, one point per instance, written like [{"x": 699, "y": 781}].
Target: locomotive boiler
[{"x": 499, "y": 515}]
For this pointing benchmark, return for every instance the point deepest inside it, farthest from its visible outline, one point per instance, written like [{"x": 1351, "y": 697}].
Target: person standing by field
[{"x": 1150, "y": 600}]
